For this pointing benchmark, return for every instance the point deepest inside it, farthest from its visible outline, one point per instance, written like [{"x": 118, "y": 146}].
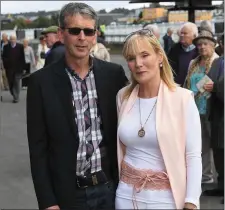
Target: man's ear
[{"x": 60, "y": 35}]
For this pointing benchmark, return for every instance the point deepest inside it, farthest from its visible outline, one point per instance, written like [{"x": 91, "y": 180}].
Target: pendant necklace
[{"x": 141, "y": 132}]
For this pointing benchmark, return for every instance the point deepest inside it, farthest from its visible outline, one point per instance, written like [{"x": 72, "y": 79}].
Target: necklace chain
[{"x": 142, "y": 126}]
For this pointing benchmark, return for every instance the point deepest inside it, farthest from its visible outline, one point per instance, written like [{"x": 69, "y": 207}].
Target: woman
[
  {"x": 198, "y": 69},
  {"x": 99, "y": 51},
  {"x": 30, "y": 62},
  {"x": 159, "y": 133},
  {"x": 41, "y": 52}
]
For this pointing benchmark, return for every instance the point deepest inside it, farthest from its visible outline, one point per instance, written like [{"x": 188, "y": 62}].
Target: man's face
[
  {"x": 170, "y": 32},
  {"x": 13, "y": 40},
  {"x": 51, "y": 39},
  {"x": 78, "y": 45},
  {"x": 4, "y": 37},
  {"x": 186, "y": 36}
]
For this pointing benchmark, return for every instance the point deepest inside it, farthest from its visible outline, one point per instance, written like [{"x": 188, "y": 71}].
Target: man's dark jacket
[
  {"x": 53, "y": 133},
  {"x": 13, "y": 60},
  {"x": 216, "y": 105},
  {"x": 168, "y": 43},
  {"x": 179, "y": 61},
  {"x": 56, "y": 52}
]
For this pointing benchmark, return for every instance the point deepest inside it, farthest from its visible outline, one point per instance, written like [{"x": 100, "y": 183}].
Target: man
[
  {"x": 100, "y": 36},
  {"x": 4, "y": 41},
  {"x": 216, "y": 116},
  {"x": 168, "y": 41},
  {"x": 14, "y": 63},
  {"x": 72, "y": 120},
  {"x": 41, "y": 52},
  {"x": 154, "y": 28},
  {"x": 57, "y": 49},
  {"x": 4, "y": 83},
  {"x": 183, "y": 52},
  {"x": 220, "y": 48},
  {"x": 206, "y": 25}
]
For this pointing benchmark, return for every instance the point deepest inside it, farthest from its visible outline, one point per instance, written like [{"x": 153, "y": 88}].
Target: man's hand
[
  {"x": 56, "y": 207},
  {"x": 209, "y": 86}
]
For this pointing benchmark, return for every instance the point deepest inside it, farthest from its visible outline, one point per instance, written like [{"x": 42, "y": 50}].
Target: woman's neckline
[{"x": 152, "y": 98}]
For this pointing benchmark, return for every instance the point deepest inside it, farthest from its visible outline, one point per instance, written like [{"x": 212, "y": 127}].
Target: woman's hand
[
  {"x": 209, "y": 86},
  {"x": 190, "y": 206},
  {"x": 56, "y": 207}
]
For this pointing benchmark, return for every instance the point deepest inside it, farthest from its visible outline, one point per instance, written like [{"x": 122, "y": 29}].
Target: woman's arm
[{"x": 193, "y": 155}]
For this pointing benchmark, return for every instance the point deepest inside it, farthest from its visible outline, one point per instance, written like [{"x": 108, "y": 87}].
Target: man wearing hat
[{"x": 56, "y": 47}]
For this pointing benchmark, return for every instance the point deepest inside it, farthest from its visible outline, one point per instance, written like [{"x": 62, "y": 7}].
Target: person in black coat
[
  {"x": 57, "y": 49},
  {"x": 168, "y": 41},
  {"x": 216, "y": 117},
  {"x": 14, "y": 64},
  {"x": 72, "y": 121}
]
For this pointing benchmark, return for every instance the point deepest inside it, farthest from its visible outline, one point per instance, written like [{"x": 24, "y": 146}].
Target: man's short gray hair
[
  {"x": 153, "y": 27},
  {"x": 75, "y": 8},
  {"x": 191, "y": 26},
  {"x": 169, "y": 30},
  {"x": 206, "y": 25}
]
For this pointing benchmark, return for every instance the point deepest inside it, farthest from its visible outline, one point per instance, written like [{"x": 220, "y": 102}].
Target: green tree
[
  {"x": 102, "y": 11},
  {"x": 21, "y": 23},
  {"x": 120, "y": 10},
  {"x": 42, "y": 22},
  {"x": 55, "y": 19},
  {"x": 140, "y": 15}
]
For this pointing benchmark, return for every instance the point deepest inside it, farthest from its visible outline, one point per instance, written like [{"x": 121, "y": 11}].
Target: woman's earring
[{"x": 160, "y": 65}]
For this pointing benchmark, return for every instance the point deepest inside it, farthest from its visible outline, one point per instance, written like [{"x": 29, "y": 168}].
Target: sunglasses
[
  {"x": 145, "y": 32},
  {"x": 76, "y": 31}
]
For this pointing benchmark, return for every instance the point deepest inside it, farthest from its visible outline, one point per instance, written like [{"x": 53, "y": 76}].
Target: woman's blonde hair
[{"x": 132, "y": 48}]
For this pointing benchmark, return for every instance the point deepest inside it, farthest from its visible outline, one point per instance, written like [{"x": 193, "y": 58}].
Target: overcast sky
[{"x": 34, "y": 6}]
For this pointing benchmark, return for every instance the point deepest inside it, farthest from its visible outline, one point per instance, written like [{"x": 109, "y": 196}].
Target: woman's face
[
  {"x": 144, "y": 65},
  {"x": 205, "y": 47},
  {"x": 25, "y": 43}
]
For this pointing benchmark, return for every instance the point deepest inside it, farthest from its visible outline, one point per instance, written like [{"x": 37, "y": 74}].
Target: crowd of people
[
  {"x": 99, "y": 141},
  {"x": 16, "y": 67}
]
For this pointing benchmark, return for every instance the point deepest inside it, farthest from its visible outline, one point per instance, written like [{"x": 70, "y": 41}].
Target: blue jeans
[{"x": 99, "y": 197}]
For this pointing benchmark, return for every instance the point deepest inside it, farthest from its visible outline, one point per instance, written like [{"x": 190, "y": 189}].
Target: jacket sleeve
[
  {"x": 38, "y": 145},
  {"x": 166, "y": 47},
  {"x": 57, "y": 54},
  {"x": 5, "y": 57},
  {"x": 173, "y": 60},
  {"x": 123, "y": 81},
  {"x": 118, "y": 102},
  {"x": 219, "y": 89}
]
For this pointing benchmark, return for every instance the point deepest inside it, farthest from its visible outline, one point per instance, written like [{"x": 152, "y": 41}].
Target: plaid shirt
[{"x": 93, "y": 135}]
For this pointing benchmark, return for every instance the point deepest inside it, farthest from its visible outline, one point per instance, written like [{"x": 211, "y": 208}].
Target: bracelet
[{"x": 188, "y": 209}]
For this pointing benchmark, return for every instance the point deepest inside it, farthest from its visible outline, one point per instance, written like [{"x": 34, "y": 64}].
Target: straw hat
[{"x": 204, "y": 34}]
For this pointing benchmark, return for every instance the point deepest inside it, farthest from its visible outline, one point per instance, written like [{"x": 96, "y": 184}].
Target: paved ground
[{"x": 16, "y": 188}]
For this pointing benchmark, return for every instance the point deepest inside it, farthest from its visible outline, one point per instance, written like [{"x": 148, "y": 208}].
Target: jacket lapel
[
  {"x": 102, "y": 92},
  {"x": 126, "y": 106},
  {"x": 64, "y": 91}
]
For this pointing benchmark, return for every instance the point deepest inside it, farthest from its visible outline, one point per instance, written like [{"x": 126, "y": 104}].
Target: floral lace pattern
[{"x": 143, "y": 179}]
